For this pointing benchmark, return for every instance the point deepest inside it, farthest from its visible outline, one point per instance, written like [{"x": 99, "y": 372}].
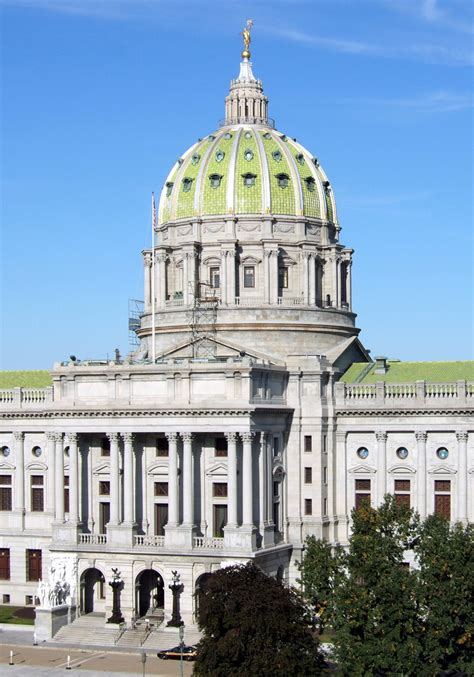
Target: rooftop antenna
[{"x": 153, "y": 319}]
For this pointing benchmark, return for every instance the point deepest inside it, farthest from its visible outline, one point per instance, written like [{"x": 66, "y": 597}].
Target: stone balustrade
[
  {"x": 26, "y": 397},
  {"x": 420, "y": 393},
  {"x": 153, "y": 541},
  {"x": 211, "y": 543},
  {"x": 92, "y": 539}
]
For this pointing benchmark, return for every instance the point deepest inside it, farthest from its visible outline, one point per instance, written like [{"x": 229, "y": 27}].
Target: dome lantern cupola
[{"x": 246, "y": 102}]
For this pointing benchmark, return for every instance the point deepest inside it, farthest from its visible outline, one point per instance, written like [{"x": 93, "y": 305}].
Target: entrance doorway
[
  {"x": 149, "y": 593},
  {"x": 199, "y": 589},
  {"x": 92, "y": 591}
]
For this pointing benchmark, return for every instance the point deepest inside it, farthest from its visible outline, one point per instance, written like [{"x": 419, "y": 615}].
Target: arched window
[
  {"x": 283, "y": 180},
  {"x": 215, "y": 180},
  {"x": 310, "y": 183},
  {"x": 249, "y": 179},
  {"x": 187, "y": 183}
]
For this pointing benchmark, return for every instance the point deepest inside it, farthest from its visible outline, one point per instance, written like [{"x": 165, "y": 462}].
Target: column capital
[
  {"x": 160, "y": 258},
  {"x": 247, "y": 436},
  {"x": 172, "y": 437},
  {"x": 113, "y": 437},
  {"x": 50, "y": 436},
  {"x": 147, "y": 259},
  {"x": 72, "y": 438},
  {"x": 128, "y": 438},
  {"x": 421, "y": 435},
  {"x": 187, "y": 437},
  {"x": 381, "y": 436},
  {"x": 462, "y": 435},
  {"x": 231, "y": 436},
  {"x": 18, "y": 436},
  {"x": 58, "y": 437}
]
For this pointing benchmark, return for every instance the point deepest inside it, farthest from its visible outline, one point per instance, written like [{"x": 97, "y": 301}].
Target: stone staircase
[{"x": 88, "y": 630}]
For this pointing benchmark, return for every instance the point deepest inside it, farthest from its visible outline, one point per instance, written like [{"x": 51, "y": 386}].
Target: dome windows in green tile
[
  {"x": 249, "y": 179},
  {"x": 227, "y": 135},
  {"x": 220, "y": 155},
  {"x": 310, "y": 184},
  {"x": 276, "y": 155},
  {"x": 215, "y": 180},
  {"x": 195, "y": 158},
  {"x": 300, "y": 158},
  {"x": 169, "y": 188},
  {"x": 187, "y": 183},
  {"x": 283, "y": 180},
  {"x": 248, "y": 154},
  {"x": 248, "y": 135}
]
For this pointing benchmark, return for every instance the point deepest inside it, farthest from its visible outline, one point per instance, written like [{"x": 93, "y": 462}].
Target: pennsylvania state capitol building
[{"x": 250, "y": 414}]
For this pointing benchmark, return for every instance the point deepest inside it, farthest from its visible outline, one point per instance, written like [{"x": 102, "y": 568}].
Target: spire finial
[{"x": 247, "y": 39}]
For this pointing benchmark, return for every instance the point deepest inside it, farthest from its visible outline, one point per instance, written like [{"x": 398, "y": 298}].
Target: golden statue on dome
[{"x": 247, "y": 38}]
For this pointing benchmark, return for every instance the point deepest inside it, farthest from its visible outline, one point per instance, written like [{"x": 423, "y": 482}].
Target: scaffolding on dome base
[{"x": 202, "y": 319}]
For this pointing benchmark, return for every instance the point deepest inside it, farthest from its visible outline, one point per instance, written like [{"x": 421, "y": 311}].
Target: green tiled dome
[{"x": 247, "y": 169}]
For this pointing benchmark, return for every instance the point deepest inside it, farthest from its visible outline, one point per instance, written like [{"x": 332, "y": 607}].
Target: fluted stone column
[
  {"x": 312, "y": 279},
  {"x": 173, "y": 495},
  {"x": 72, "y": 441},
  {"x": 421, "y": 437},
  {"x": 305, "y": 257},
  {"x": 231, "y": 276},
  {"x": 247, "y": 481},
  {"x": 59, "y": 478},
  {"x": 147, "y": 279},
  {"x": 349, "y": 284},
  {"x": 224, "y": 277},
  {"x": 266, "y": 275},
  {"x": 337, "y": 471},
  {"x": 232, "y": 479},
  {"x": 334, "y": 292},
  {"x": 186, "y": 278},
  {"x": 19, "y": 504},
  {"x": 114, "y": 479},
  {"x": 461, "y": 437},
  {"x": 274, "y": 277},
  {"x": 51, "y": 470},
  {"x": 160, "y": 263},
  {"x": 381, "y": 438},
  {"x": 188, "y": 511},
  {"x": 128, "y": 493}
]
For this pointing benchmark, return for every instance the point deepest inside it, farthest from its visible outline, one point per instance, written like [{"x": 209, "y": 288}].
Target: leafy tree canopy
[{"x": 253, "y": 625}]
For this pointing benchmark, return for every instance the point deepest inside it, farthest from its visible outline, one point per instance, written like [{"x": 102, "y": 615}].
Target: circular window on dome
[
  {"x": 362, "y": 452},
  {"x": 310, "y": 183},
  {"x": 37, "y": 451},
  {"x": 220, "y": 155},
  {"x": 248, "y": 135},
  {"x": 276, "y": 155},
  {"x": 248, "y": 154},
  {"x": 442, "y": 453},
  {"x": 5, "y": 451},
  {"x": 227, "y": 135},
  {"x": 300, "y": 158},
  {"x": 195, "y": 158},
  {"x": 402, "y": 452}
]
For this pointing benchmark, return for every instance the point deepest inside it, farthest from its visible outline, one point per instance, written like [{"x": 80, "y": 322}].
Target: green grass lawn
[{"x": 19, "y": 615}]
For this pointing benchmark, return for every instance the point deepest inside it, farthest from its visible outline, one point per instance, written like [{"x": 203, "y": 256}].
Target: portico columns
[
  {"x": 381, "y": 438},
  {"x": 128, "y": 493},
  {"x": 72, "y": 440},
  {"x": 114, "y": 479},
  {"x": 247, "y": 481},
  {"x": 305, "y": 257},
  {"x": 349, "y": 284},
  {"x": 188, "y": 512},
  {"x": 461, "y": 437},
  {"x": 232, "y": 479},
  {"x": 231, "y": 276},
  {"x": 173, "y": 513},
  {"x": 266, "y": 275},
  {"x": 59, "y": 477},
  {"x": 224, "y": 277},
  {"x": 312, "y": 279},
  {"x": 147, "y": 279},
  {"x": 334, "y": 291},
  {"x": 51, "y": 466},
  {"x": 20, "y": 471},
  {"x": 161, "y": 261},
  {"x": 273, "y": 262},
  {"x": 421, "y": 437}
]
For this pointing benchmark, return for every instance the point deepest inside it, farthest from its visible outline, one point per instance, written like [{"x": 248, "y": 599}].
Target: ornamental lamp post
[
  {"x": 176, "y": 588},
  {"x": 117, "y": 586}
]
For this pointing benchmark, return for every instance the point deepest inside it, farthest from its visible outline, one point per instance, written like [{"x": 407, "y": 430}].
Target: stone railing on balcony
[
  {"x": 25, "y": 398},
  {"x": 92, "y": 539},
  {"x": 210, "y": 543},
  {"x": 150, "y": 541},
  {"x": 403, "y": 395}
]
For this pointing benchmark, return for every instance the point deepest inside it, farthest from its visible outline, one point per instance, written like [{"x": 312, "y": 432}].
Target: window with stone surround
[
  {"x": 105, "y": 447},
  {"x": 161, "y": 518},
  {"x": 162, "y": 446},
  {"x": 219, "y": 489},
  {"x": 66, "y": 493},
  {"x": 161, "y": 488},
  {"x": 37, "y": 493},
  {"x": 283, "y": 277},
  {"x": 220, "y": 520},
  {"x": 4, "y": 564},
  {"x": 104, "y": 488},
  {"x": 5, "y": 492},
  {"x": 215, "y": 277},
  {"x": 249, "y": 277},
  {"x": 308, "y": 506},
  {"x": 362, "y": 493},
  {"x": 308, "y": 443},
  {"x": 220, "y": 446},
  {"x": 402, "y": 492},
  {"x": 308, "y": 475},
  {"x": 442, "y": 498},
  {"x": 33, "y": 565}
]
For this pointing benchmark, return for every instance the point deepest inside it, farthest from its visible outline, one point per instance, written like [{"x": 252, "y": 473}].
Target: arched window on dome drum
[
  {"x": 215, "y": 180},
  {"x": 344, "y": 282},
  {"x": 283, "y": 180},
  {"x": 249, "y": 179},
  {"x": 187, "y": 183}
]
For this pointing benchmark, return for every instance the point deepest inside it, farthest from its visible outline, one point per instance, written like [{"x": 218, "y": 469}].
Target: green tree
[
  {"x": 376, "y": 619},
  {"x": 318, "y": 571},
  {"x": 446, "y": 576},
  {"x": 253, "y": 625}
]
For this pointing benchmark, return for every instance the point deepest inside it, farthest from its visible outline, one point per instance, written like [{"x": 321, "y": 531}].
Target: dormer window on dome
[
  {"x": 300, "y": 158},
  {"x": 220, "y": 155},
  {"x": 248, "y": 154},
  {"x": 169, "y": 187},
  {"x": 327, "y": 186},
  {"x": 249, "y": 179},
  {"x": 283, "y": 180},
  {"x": 276, "y": 155},
  {"x": 310, "y": 183},
  {"x": 215, "y": 180},
  {"x": 195, "y": 158},
  {"x": 187, "y": 183}
]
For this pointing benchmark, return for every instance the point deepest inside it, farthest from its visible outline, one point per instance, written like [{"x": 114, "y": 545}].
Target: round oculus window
[
  {"x": 402, "y": 452},
  {"x": 362, "y": 452},
  {"x": 5, "y": 451},
  {"x": 36, "y": 451},
  {"x": 442, "y": 453}
]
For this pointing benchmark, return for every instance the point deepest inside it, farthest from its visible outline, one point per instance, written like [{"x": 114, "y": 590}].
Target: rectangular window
[
  {"x": 362, "y": 496},
  {"x": 325, "y": 506},
  {"x": 283, "y": 277},
  {"x": 402, "y": 492},
  {"x": 249, "y": 276},
  {"x": 105, "y": 446},
  {"x": 276, "y": 489},
  {"x": 442, "y": 498},
  {"x": 325, "y": 443},
  {"x": 308, "y": 443},
  {"x": 308, "y": 506},
  {"x": 66, "y": 493},
  {"x": 4, "y": 564},
  {"x": 276, "y": 446},
  {"x": 5, "y": 492},
  {"x": 161, "y": 518},
  {"x": 219, "y": 489},
  {"x": 104, "y": 488},
  {"x": 161, "y": 488},
  {"x": 104, "y": 517},
  {"x": 37, "y": 495},
  {"x": 308, "y": 475},
  {"x": 162, "y": 446},
  {"x": 33, "y": 565},
  {"x": 325, "y": 475},
  {"x": 6, "y": 599},
  {"x": 28, "y": 600},
  {"x": 220, "y": 520},
  {"x": 215, "y": 277},
  {"x": 220, "y": 446}
]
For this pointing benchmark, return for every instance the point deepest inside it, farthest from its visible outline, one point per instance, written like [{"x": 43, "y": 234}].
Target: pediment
[
  {"x": 212, "y": 261},
  {"x": 103, "y": 469},
  {"x": 401, "y": 469},
  {"x": 4, "y": 465},
  {"x": 223, "y": 349},
  {"x": 158, "y": 469},
  {"x": 251, "y": 259},
  {"x": 217, "y": 470},
  {"x": 442, "y": 470},
  {"x": 343, "y": 355},
  {"x": 362, "y": 470},
  {"x": 36, "y": 466}
]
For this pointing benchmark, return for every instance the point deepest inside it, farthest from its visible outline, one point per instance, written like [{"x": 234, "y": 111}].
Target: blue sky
[{"x": 101, "y": 96}]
